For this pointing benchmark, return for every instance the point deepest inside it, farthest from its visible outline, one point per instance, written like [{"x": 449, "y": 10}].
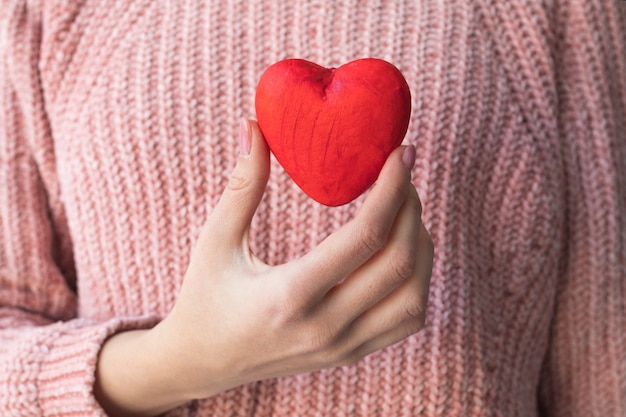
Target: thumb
[{"x": 229, "y": 223}]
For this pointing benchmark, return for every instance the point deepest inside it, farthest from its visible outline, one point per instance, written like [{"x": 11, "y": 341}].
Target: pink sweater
[{"x": 118, "y": 125}]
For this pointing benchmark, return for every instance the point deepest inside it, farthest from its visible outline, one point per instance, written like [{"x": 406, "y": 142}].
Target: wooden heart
[{"x": 332, "y": 129}]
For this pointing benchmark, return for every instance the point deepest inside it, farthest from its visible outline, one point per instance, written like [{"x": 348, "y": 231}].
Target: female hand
[{"x": 238, "y": 320}]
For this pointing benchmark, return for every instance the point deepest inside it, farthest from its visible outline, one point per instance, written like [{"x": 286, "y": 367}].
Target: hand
[{"x": 238, "y": 320}]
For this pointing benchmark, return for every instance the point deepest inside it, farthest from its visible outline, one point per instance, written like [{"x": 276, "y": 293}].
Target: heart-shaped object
[{"x": 332, "y": 129}]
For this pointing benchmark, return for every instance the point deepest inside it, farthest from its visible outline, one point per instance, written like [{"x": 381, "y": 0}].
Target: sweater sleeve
[
  {"x": 47, "y": 354},
  {"x": 585, "y": 371}
]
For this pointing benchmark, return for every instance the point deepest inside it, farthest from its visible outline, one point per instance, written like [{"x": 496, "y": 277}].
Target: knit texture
[{"x": 118, "y": 126}]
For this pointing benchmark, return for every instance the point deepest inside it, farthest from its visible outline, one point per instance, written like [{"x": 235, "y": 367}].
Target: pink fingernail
[
  {"x": 408, "y": 156},
  {"x": 245, "y": 142}
]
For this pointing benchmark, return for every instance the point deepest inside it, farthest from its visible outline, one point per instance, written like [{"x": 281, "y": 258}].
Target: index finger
[{"x": 358, "y": 240}]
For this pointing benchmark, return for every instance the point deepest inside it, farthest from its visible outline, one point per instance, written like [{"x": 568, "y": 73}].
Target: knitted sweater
[{"x": 118, "y": 124}]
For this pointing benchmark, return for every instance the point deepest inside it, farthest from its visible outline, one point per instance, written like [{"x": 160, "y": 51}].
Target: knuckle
[
  {"x": 413, "y": 309},
  {"x": 336, "y": 355},
  {"x": 299, "y": 299},
  {"x": 278, "y": 315},
  {"x": 237, "y": 182},
  {"x": 320, "y": 338},
  {"x": 415, "y": 326},
  {"x": 373, "y": 237},
  {"x": 417, "y": 204},
  {"x": 403, "y": 263},
  {"x": 396, "y": 190},
  {"x": 286, "y": 310},
  {"x": 327, "y": 346},
  {"x": 291, "y": 314},
  {"x": 349, "y": 359},
  {"x": 414, "y": 200}
]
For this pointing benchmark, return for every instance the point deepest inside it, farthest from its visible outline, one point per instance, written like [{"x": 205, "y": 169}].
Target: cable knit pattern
[{"x": 117, "y": 135}]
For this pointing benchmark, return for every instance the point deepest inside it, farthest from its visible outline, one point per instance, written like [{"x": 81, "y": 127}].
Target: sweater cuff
[{"x": 65, "y": 364}]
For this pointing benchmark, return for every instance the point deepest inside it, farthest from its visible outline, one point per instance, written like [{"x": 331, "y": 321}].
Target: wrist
[
  {"x": 196, "y": 369},
  {"x": 136, "y": 377}
]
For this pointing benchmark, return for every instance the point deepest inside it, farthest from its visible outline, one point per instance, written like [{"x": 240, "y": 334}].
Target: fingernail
[
  {"x": 408, "y": 156},
  {"x": 244, "y": 137}
]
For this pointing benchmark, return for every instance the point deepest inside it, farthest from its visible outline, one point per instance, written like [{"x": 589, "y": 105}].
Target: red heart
[{"x": 332, "y": 129}]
